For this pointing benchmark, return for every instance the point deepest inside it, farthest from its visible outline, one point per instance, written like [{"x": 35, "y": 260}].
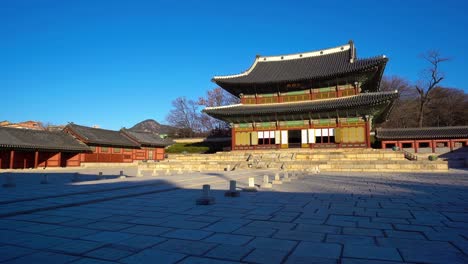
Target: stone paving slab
[{"x": 324, "y": 218}]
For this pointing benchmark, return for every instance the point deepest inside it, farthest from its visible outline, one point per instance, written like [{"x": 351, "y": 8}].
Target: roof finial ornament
[{"x": 352, "y": 51}]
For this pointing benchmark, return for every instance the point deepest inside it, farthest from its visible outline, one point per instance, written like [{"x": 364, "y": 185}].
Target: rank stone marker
[
  {"x": 277, "y": 179},
  {"x": 205, "y": 199},
  {"x": 121, "y": 175},
  {"x": 266, "y": 182},
  {"x": 286, "y": 177},
  {"x": 251, "y": 187},
  {"x": 75, "y": 177},
  {"x": 155, "y": 173},
  {"x": 9, "y": 181},
  {"x": 139, "y": 172},
  {"x": 232, "y": 190},
  {"x": 45, "y": 179}
]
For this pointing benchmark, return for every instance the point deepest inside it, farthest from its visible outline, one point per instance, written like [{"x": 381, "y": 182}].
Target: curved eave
[
  {"x": 336, "y": 106},
  {"x": 48, "y": 148}
]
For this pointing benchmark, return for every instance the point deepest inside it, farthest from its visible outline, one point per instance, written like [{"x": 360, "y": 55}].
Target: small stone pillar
[
  {"x": 317, "y": 169},
  {"x": 293, "y": 176},
  {"x": 251, "y": 187},
  {"x": 266, "y": 182},
  {"x": 228, "y": 168},
  {"x": 179, "y": 171},
  {"x": 286, "y": 177},
  {"x": 277, "y": 179},
  {"x": 75, "y": 177},
  {"x": 9, "y": 181},
  {"x": 45, "y": 179},
  {"x": 168, "y": 172},
  {"x": 121, "y": 175},
  {"x": 232, "y": 190},
  {"x": 139, "y": 172},
  {"x": 205, "y": 199},
  {"x": 154, "y": 173}
]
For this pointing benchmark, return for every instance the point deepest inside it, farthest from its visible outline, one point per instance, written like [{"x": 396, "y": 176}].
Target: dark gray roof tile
[
  {"x": 101, "y": 136},
  {"x": 16, "y": 138},
  {"x": 422, "y": 133}
]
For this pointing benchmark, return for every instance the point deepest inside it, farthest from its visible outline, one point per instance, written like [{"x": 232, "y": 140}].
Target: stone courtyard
[{"x": 316, "y": 218}]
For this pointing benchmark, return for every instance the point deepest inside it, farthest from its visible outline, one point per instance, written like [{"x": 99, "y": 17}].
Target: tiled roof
[
  {"x": 147, "y": 138},
  {"x": 101, "y": 136},
  {"x": 41, "y": 140},
  {"x": 315, "y": 65},
  {"x": 422, "y": 133},
  {"x": 304, "y": 107}
]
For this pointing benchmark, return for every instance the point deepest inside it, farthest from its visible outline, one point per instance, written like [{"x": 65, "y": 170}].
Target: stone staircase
[{"x": 296, "y": 159}]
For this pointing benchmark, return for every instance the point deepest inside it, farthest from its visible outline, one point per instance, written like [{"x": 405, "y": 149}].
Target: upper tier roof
[
  {"x": 17, "y": 138},
  {"x": 422, "y": 133},
  {"x": 315, "y": 65},
  {"x": 101, "y": 136}
]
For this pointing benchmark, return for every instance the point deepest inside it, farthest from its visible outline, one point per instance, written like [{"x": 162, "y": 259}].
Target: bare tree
[
  {"x": 404, "y": 104},
  {"x": 185, "y": 115},
  {"x": 215, "y": 97},
  {"x": 432, "y": 76}
]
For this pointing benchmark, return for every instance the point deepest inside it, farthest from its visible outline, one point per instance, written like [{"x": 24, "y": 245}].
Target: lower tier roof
[
  {"x": 422, "y": 133},
  {"x": 361, "y": 104}
]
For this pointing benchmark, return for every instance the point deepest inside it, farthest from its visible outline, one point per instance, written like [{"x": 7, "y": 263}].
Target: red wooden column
[
  {"x": 433, "y": 146},
  {"x": 12, "y": 158},
  {"x": 36, "y": 159},
  {"x": 415, "y": 146},
  {"x": 233, "y": 137},
  {"x": 59, "y": 159},
  {"x": 368, "y": 132}
]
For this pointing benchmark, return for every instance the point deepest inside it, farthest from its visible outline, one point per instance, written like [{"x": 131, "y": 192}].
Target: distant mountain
[{"x": 150, "y": 125}]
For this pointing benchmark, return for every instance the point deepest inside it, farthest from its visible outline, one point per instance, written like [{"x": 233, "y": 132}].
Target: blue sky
[{"x": 115, "y": 63}]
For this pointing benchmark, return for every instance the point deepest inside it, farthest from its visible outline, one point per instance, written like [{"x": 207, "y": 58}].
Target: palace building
[{"x": 320, "y": 99}]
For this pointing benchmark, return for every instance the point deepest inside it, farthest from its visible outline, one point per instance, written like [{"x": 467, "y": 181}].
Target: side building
[
  {"x": 320, "y": 99},
  {"x": 26, "y": 148},
  {"x": 117, "y": 146}
]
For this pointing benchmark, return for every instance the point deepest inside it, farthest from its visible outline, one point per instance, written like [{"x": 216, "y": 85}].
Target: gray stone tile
[
  {"x": 92, "y": 261},
  {"x": 150, "y": 255},
  {"x": 187, "y": 234},
  {"x": 267, "y": 256},
  {"x": 77, "y": 247},
  {"x": 272, "y": 225},
  {"x": 109, "y": 253},
  {"x": 108, "y": 226},
  {"x": 185, "y": 246},
  {"x": 404, "y": 234},
  {"x": 259, "y": 232},
  {"x": 371, "y": 252},
  {"x": 185, "y": 224},
  {"x": 146, "y": 230},
  {"x": 71, "y": 232},
  {"x": 223, "y": 226},
  {"x": 198, "y": 260},
  {"x": 362, "y": 231},
  {"x": 433, "y": 255},
  {"x": 141, "y": 242},
  {"x": 309, "y": 260},
  {"x": 412, "y": 244},
  {"x": 44, "y": 257},
  {"x": 317, "y": 250},
  {"x": 10, "y": 252},
  {"x": 367, "y": 261},
  {"x": 229, "y": 239},
  {"x": 229, "y": 252},
  {"x": 319, "y": 228},
  {"x": 299, "y": 235},
  {"x": 272, "y": 243},
  {"x": 205, "y": 218},
  {"x": 350, "y": 240},
  {"x": 109, "y": 237}
]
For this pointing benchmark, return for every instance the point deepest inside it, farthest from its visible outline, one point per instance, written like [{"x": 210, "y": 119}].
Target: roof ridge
[{"x": 286, "y": 57}]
